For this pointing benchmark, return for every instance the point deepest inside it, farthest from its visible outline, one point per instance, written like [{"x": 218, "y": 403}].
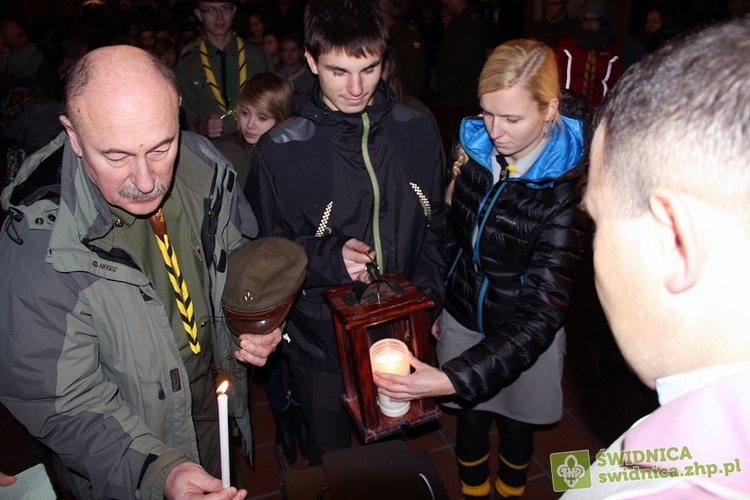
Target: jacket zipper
[
  {"x": 375, "y": 192},
  {"x": 479, "y": 228}
]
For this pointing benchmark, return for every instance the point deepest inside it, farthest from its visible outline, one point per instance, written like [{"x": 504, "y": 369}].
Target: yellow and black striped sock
[
  {"x": 475, "y": 476},
  {"x": 511, "y": 478}
]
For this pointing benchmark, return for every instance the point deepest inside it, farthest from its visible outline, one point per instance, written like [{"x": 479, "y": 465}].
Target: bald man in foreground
[
  {"x": 103, "y": 360},
  {"x": 669, "y": 190}
]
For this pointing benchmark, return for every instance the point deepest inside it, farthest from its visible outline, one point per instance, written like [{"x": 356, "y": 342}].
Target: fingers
[
  {"x": 190, "y": 480},
  {"x": 6, "y": 480},
  {"x": 255, "y": 349},
  {"x": 426, "y": 381},
  {"x": 230, "y": 493},
  {"x": 390, "y": 378},
  {"x": 435, "y": 330},
  {"x": 357, "y": 255},
  {"x": 268, "y": 339},
  {"x": 395, "y": 387},
  {"x": 357, "y": 246},
  {"x": 254, "y": 354},
  {"x": 364, "y": 276}
]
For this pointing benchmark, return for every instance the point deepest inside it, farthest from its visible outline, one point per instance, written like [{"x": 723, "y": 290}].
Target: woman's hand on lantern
[
  {"x": 426, "y": 381},
  {"x": 255, "y": 349}
]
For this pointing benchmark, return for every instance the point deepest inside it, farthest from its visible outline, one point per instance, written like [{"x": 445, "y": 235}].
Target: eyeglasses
[{"x": 212, "y": 11}]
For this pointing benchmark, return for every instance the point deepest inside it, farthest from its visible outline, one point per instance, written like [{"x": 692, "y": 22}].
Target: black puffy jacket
[
  {"x": 313, "y": 180},
  {"x": 514, "y": 284}
]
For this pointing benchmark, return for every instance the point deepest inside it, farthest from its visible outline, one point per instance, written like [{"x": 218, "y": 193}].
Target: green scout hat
[{"x": 263, "y": 279}]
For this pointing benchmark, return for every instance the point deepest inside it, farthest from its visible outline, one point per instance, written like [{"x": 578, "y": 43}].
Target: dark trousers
[
  {"x": 278, "y": 384},
  {"x": 330, "y": 427}
]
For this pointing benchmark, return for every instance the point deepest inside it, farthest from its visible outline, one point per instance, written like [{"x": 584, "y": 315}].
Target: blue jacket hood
[{"x": 563, "y": 153}]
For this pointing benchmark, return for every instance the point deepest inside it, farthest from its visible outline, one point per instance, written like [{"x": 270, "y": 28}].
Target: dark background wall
[{"x": 626, "y": 14}]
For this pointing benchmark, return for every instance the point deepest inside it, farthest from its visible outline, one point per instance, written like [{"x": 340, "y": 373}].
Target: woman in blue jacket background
[{"x": 519, "y": 234}]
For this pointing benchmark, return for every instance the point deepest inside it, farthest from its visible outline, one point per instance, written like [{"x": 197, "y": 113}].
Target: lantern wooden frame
[{"x": 403, "y": 312}]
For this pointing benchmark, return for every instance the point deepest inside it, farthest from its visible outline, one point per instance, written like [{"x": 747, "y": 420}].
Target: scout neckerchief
[
  {"x": 179, "y": 285},
  {"x": 212, "y": 78}
]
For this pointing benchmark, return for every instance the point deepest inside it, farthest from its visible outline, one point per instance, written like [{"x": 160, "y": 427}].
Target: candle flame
[{"x": 223, "y": 387}]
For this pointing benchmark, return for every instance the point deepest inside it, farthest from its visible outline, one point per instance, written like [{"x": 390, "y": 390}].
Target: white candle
[
  {"x": 391, "y": 356},
  {"x": 224, "y": 432}
]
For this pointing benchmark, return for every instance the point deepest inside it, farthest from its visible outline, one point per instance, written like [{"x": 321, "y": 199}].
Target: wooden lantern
[{"x": 387, "y": 308}]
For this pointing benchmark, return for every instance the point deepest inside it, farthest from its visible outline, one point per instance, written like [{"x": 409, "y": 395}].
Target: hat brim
[{"x": 258, "y": 322}]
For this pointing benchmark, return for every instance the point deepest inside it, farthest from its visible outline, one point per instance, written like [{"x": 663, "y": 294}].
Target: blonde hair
[
  {"x": 525, "y": 63},
  {"x": 269, "y": 94}
]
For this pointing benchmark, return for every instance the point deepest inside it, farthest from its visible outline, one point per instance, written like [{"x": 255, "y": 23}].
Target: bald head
[{"x": 116, "y": 71}]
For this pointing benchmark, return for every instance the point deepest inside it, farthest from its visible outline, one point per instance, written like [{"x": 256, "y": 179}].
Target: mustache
[{"x": 133, "y": 193}]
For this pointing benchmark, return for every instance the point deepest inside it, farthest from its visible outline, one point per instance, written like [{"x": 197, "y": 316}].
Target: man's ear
[
  {"x": 682, "y": 254},
  {"x": 311, "y": 62},
  {"x": 72, "y": 135}
]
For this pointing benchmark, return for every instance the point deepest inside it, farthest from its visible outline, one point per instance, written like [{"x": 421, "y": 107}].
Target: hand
[
  {"x": 255, "y": 349},
  {"x": 435, "y": 330},
  {"x": 6, "y": 480},
  {"x": 213, "y": 127},
  {"x": 188, "y": 480},
  {"x": 426, "y": 381},
  {"x": 356, "y": 255}
]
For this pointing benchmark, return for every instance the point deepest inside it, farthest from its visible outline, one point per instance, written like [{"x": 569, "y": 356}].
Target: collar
[
  {"x": 229, "y": 48},
  {"x": 561, "y": 155},
  {"x": 120, "y": 217},
  {"x": 673, "y": 386},
  {"x": 522, "y": 165}
]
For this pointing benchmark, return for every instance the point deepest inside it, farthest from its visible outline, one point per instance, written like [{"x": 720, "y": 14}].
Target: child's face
[
  {"x": 653, "y": 21},
  {"x": 169, "y": 58},
  {"x": 271, "y": 44},
  {"x": 253, "y": 124},
  {"x": 291, "y": 53},
  {"x": 256, "y": 26}
]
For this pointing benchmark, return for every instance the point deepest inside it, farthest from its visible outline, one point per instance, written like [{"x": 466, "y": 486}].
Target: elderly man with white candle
[{"x": 114, "y": 260}]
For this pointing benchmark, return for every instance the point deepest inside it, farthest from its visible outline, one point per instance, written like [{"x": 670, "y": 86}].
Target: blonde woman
[{"x": 520, "y": 235}]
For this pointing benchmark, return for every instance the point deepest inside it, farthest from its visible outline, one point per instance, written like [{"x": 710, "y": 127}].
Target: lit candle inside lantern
[
  {"x": 391, "y": 356},
  {"x": 223, "y": 432}
]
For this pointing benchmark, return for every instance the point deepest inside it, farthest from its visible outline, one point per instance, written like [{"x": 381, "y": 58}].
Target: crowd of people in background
[{"x": 438, "y": 47}]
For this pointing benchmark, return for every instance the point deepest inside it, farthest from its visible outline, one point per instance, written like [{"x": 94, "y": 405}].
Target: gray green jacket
[{"x": 90, "y": 365}]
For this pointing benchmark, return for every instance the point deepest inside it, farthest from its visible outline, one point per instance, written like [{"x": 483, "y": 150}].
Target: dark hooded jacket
[
  {"x": 513, "y": 283},
  {"x": 324, "y": 177}
]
